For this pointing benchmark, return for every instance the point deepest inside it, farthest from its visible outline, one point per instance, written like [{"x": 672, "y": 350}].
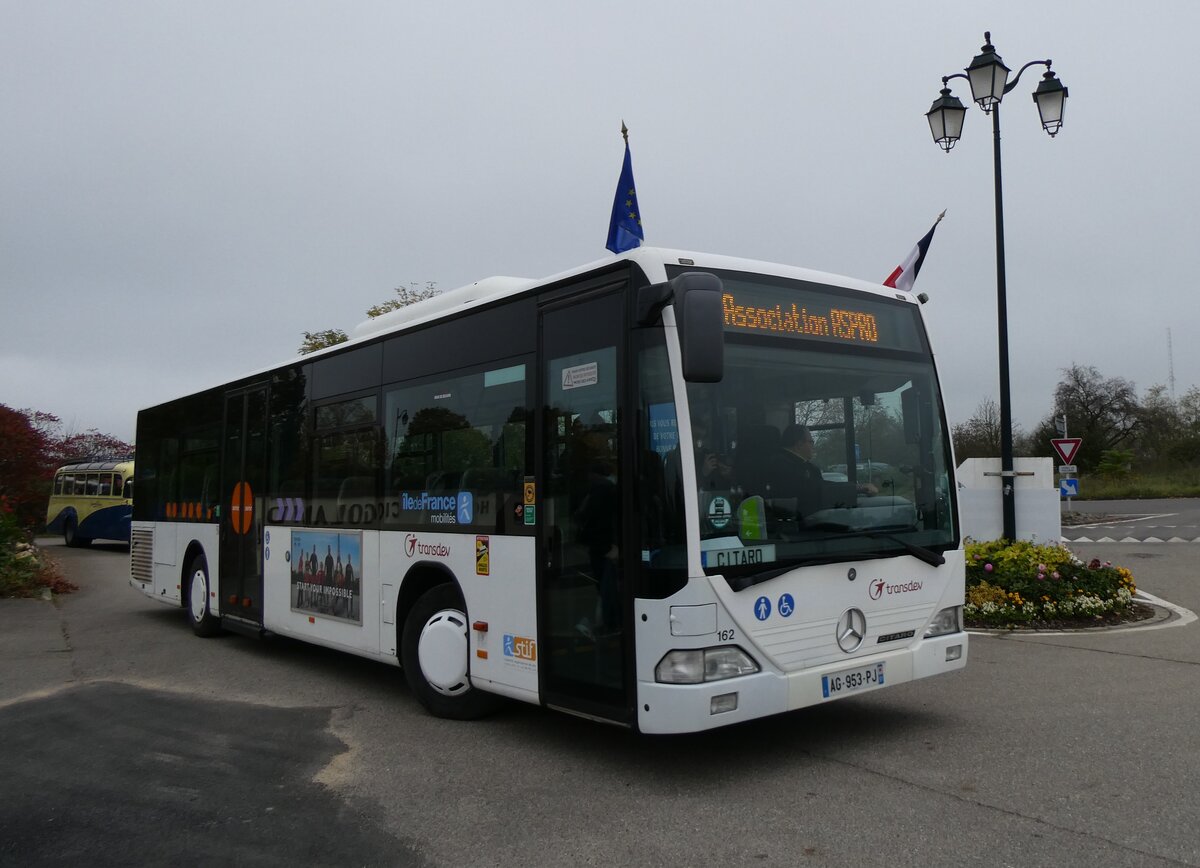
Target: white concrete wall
[{"x": 1037, "y": 504}]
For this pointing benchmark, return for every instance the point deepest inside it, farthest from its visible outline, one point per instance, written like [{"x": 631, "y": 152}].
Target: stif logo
[
  {"x": 876, "y": 589},
  {"x": 520, "y": 647},
  {"x": 410, "y": 544}
]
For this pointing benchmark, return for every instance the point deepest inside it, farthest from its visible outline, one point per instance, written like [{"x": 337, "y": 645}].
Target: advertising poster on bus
[{"x": 327, "y": 574}]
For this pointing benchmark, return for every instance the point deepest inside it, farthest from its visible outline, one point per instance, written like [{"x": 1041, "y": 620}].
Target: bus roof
[
  {"x": 123, "y": 465},
  {"x": 652, "y": 260}
]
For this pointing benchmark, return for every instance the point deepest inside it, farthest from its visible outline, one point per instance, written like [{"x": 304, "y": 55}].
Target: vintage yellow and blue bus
[
  {"x": 578, "y": 492},
  {"x": 91, "y": 500}
]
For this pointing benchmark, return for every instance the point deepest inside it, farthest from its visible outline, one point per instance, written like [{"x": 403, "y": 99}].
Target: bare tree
[
  {"x": 405, "y": 295},
  {"x": 979, "y": 436},
  {"x": 1103, "y": 411}
]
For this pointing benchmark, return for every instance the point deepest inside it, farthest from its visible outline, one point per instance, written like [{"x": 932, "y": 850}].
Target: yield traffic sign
[{"x": 1066, "y": 447}]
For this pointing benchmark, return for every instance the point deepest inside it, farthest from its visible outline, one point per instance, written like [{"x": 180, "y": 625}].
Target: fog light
[
  {"x": 721, "y": 704},
  {"x": 953, "y": 652}
]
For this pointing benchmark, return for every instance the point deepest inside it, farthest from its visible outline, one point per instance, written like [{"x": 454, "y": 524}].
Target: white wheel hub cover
[
  {"x": 199, "y": 594},
  {"x": 442, "y": 652}
]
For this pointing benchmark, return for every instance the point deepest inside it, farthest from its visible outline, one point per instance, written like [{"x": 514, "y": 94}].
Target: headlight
[
  {"x": 946, "y": 621},
  {"x": 697, "y": 665}
]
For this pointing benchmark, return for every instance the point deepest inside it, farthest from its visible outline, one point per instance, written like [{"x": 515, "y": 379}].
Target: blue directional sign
[
  {"x": 1068, "y": 488},
  {"x": 762, "y": 608}
]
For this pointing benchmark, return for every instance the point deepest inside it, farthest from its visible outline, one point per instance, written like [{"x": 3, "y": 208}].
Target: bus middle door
[{"x": 243, "y": 480}]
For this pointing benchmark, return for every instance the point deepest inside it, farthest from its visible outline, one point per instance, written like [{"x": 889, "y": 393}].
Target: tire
[
  {"x": 71, "y": 535},
  {"x": 196, "y": 602},
  {"x": 435, "y": 654}
]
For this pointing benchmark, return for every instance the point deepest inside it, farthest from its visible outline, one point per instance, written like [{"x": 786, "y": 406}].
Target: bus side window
[
  {"x": 58, "y": 483},
  {"x": 80, "y": 487},
  {"x": 106, "y": 485},
  {"x": 128, "y": 491},
  {"x": 93, "y": 484}
]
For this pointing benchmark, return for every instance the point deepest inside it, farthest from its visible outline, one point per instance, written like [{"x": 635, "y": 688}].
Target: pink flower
[
  {"x": 1056, "y": 574},
  {"x": 1041, "y": 577},
  {"x": 1041, "y": 568},
  {"x": 987, "y": 568}
]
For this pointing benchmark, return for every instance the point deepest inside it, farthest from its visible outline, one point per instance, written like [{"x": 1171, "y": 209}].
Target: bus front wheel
[
  {"x": 71, "y": 535},
  {"x": 435, "y": 655},
  {"x": 200, "y": 616}
]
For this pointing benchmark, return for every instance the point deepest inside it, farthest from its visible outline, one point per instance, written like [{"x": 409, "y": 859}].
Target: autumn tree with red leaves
[
  {"x": 25, "y": 466},
  {"x": 34, "y": 447}
]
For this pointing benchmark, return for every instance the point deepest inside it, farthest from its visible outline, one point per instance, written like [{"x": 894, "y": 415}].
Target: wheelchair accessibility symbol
[{"x": 786, "y": 606}]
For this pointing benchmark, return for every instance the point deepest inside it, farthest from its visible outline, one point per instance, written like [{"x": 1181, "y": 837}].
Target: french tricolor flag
[{"x": 906, "y": 272}]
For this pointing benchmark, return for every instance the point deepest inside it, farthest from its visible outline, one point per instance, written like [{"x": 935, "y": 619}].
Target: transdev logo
[
  {"x": 413, "y": 547},
  {"x": 879, "y": 587}
]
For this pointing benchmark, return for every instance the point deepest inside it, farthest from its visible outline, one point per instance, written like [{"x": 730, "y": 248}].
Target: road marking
[{"x": 1146, "y": 517}]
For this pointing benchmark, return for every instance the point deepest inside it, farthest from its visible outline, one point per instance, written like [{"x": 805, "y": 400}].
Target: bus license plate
[{"x": 851, "y": 680}]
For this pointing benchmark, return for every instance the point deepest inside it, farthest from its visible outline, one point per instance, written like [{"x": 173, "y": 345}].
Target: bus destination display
[{"x": 803, "y": 313}]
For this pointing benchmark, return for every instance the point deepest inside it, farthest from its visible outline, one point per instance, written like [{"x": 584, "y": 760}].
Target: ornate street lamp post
[{"x": 988, "y": 77}]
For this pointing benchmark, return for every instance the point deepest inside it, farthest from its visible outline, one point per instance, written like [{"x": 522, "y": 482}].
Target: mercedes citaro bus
[{"x": 574, "y": 492}]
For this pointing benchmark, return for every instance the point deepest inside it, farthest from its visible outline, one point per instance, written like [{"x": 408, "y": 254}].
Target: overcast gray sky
[{"x": 188, "y": 186}]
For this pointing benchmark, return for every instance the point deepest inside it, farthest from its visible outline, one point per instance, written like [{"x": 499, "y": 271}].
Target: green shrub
[
  {"x": 24, "y": 570},
  {"x": 1115, "y": 463},
  {"x": 1021, "y": 583}
]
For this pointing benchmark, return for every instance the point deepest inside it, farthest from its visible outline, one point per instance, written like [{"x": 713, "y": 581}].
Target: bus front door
[
  {"x": 243, "y": 482},
  {"x": 582, "y": 627}
]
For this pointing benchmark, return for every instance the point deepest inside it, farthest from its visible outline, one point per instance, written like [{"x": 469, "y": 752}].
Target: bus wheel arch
[
  {"x": 434, "y": 646},
  {"x": 197, "y": 594}
]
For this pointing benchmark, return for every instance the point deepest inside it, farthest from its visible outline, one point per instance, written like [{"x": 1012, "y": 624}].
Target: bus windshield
[{"x": 810, "y": 452}]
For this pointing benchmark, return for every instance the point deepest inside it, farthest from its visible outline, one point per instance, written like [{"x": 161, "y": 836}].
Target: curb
[{"x": 1166, "y": 614}]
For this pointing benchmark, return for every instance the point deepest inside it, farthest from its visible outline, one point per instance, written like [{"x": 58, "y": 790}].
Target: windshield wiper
[{"x": 934, "y": 559}]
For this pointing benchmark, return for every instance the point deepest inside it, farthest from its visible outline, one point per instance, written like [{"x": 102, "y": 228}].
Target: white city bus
[{"x": 574, "y": 492}]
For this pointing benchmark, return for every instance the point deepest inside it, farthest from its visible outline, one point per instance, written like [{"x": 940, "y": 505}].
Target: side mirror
[{"x": 700, "y": 318}]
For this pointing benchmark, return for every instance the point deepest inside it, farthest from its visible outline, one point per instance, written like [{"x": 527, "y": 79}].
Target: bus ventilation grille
[{"x": 141, "y": 554}]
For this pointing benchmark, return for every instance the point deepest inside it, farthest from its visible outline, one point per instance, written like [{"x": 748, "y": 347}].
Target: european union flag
[{"x": 625, "y": 228}]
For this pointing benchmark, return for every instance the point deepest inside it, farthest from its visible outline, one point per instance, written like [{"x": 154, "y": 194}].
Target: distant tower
[{"x": 1170, "y": 365}]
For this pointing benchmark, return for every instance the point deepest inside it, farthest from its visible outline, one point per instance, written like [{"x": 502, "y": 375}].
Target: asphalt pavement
[{"x": 128, "y": 741}]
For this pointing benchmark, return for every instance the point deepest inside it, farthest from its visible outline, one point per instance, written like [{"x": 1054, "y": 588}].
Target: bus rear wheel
[
  {"x": 204, "y": 622},
  {"x": 435, "y": 654},
  {"x": 71, "y": 535}
]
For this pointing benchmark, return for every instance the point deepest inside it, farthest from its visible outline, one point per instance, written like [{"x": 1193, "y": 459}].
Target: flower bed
[{"x": 1021, "y": 584}]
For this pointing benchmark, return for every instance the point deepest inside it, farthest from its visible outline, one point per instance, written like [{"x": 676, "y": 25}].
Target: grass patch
[
  {"x": 1021, "y": 584},
  {"x": 1183, "y": 482}
]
